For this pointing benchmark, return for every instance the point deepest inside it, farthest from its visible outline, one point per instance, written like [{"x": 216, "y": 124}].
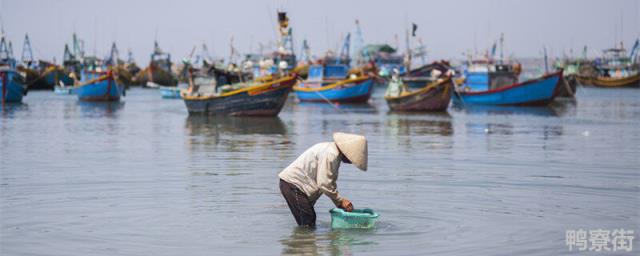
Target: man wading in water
[{"x": 315, "y": 173}]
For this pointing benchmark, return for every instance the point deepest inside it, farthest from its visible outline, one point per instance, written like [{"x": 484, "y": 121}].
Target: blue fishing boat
[
  {"x": 331, "y": 83},
  {"x": 539, "y": 91},
  {"x": 99, "y": 86},
  {"x": 12, "y": 85},
  {"x": 11, "y": 82}
]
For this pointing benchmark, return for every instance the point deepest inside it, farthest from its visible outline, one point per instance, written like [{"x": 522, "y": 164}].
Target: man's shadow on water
[{"x": 321, "y": 241}]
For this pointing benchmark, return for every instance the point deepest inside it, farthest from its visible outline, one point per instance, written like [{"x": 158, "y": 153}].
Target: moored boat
[
  {"x": 12, "y": 85},
  {"x": 615, "y": 69},
  {"x": 332, "y": 82},
  {"x": 99, "y": 86},
  {"x": 159, "y": 70},
  {"x": 540, "y": 91},
  {"x": 262, "y": 99},
  {"x": 612, "y": 82},
  {"x": 434, "y": 96}
]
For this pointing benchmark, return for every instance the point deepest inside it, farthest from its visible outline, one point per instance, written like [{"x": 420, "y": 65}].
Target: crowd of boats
[{"x": 260, "y": 84}]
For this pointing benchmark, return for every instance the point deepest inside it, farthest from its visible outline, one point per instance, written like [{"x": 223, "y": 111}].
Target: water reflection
[
  {"x": 546, "y": 111},
  {"x": 420, "y": 124},
  {"x": 198, "y": 125},
  {"x": 308, "y": 241},
  {"x": 235, "y": 134},
  {"x": 9, "y": 109},
  {"x": 100, "y": 109},
  {"x": 565, "y": 106},
  {"x": 325, "y": 107}
]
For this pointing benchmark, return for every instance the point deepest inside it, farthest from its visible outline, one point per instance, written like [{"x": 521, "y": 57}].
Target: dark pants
[{"x": 299, "y": 204}]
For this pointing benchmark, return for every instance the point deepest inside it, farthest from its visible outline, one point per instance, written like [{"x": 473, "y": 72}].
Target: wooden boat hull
[
  {"x": 11, "y": 87},
  {"x": 607, "y": 82},
  {"x": 358, "y": 91},
  {"x": 433, "y": 97},
  {"x": 260, "y": 100},
  {"x": 540, "y": 91},
  {"x": 567, "y": 86},
  {"x": 48, "y": 79},
  {"x": 104, "y": 88},
  {"x": 156, "y": 75}
]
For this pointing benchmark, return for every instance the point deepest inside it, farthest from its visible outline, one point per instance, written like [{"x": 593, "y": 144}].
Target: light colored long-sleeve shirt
[{"x": 315, "y": 172}]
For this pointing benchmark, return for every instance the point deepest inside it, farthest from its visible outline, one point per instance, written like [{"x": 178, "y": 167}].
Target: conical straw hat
[{"x": 354, "y": 147}]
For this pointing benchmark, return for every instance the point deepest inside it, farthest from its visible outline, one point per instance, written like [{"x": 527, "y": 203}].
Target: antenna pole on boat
[
  {"x": 546, "y": 64},
  {"x": 501, "y": 47},
  {"x": 27, "y": 53},
  {"x": 4, "y": 87}
]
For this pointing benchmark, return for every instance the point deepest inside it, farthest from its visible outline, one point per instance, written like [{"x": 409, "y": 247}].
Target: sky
[{"x": 447, "y": 28}]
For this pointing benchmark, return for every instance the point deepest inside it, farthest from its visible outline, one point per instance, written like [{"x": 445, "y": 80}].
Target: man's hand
[{"x": 346, "y": 205}]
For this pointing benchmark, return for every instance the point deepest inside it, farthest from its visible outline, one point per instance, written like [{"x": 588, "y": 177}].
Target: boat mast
[
  {"x": 113, "y": 55},
  {"x": 358, "y": 44},
  {"x": 5, "y": 54},
  {"x": 27, "y": 53},
  {"x": 130, "y": 59},
  {"x": 546, "y": 65},
  {"x": 344, "y": 52},
  {"x": 501, "y": 48},
  {"x": 634, "y": 51},
  {"x": 305, "y": 52}
]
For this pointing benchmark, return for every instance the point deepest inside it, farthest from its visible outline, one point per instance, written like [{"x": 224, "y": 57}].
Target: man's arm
[{"x": 327, "y": 176}]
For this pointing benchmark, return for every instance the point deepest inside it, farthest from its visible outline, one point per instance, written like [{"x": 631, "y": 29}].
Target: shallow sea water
[{"x": 142, "y": 177}]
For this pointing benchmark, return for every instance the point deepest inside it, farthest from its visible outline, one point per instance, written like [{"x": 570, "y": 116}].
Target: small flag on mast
[{"x": 413, "y": 31}]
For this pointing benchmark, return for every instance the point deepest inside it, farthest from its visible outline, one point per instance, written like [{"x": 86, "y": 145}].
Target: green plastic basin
[{"x": 358, "y": 218}]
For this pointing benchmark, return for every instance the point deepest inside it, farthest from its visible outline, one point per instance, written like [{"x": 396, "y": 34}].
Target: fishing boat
[
  {"x": 159, "y": 70},
  {"x": 40, "y": 74},
  {"x": 615, "y": 69},
  {"x": 99, "y": 86},
  {"x": 331, "y": 83},
  {"x": 12, "y": 84},
  {"x": 539, "y": 91},
  {"x": 253, "y": 99},
  {"x": 334, "y": 82},
  {"x": 11, "y": 81},
  {"x": 434, "y": 96}
]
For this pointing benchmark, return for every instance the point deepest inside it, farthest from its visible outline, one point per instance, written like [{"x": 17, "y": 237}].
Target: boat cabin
[
  {"x": 486, "y": 75},
  {"x": 615, "y": 63}
]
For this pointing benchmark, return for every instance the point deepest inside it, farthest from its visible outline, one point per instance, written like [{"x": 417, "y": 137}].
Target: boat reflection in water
[
  {"x": 546, "y": 111},
  {"x": 326, "y": 107},
  {"x": 307, "y": 241},
  {"x": 100, "y": 109},
  {"x": 9, "y": 109},
  {"x": 436, "y": 123},
  {"x": 207, "y": 125}
]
